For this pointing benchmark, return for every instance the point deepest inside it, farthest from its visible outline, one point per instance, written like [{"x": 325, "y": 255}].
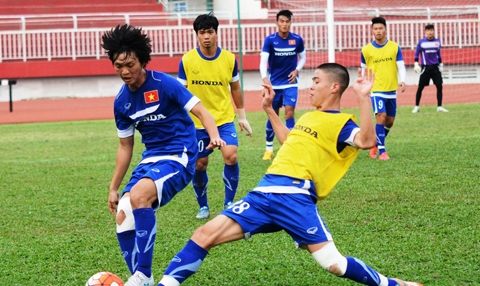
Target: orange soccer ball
[{"x": 104, "y": 279}]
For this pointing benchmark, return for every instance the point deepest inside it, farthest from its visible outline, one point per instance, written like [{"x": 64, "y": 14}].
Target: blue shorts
[
  {"x": 381, "y": 105},
  {"x": 297, "y": 214},
  {"x": 169, "y": 176},
  {"x": 227, "y": 132},
  {"x": 285, "y": 97}
]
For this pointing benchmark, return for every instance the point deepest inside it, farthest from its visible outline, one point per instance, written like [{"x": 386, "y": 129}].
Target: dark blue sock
[
  {"x": 231, "y": 175},
  {"x": 186, "y": 262},
  {"x": 380, "y": 130},
  {"x": 146, "y": 231},
  {"x": 290, "y": 123},
  {"x": 126, "y": 240},
  {"x": 387, "y": 130},
  {"x": 200, "y": 186},
  {"x": 359, "y": 272},
  {"x": 270, "y": 134}
]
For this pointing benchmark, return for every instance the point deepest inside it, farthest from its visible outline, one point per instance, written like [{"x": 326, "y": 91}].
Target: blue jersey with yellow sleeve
[
  {"x": 382, "y": 59},
  {"x": 209, "y": 79},
  {"x": 311, "y": 151},
  {"x": 158, "y": 109}
]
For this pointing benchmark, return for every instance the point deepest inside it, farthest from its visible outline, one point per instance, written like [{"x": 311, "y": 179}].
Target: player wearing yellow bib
[
  {"x": 385, "y": 58},
  {"x": 211, "y": 74},
  {"x": 313, "y": 157}
]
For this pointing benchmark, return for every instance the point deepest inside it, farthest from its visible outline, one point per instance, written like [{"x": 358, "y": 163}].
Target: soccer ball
[{"x": 104, "y": 279}]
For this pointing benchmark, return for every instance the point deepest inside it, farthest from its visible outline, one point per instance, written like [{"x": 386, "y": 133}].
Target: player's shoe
[
  {"x": 203, "y": 213},
  {"x": 383, "y": 156},
  {"x": 268, "y": 155},
  {"x": 373, "y": 152},
  {"x": 406, "y": 283},
  {"x": 416, "y": 109},
  {"x": 441, "y": 109},
  {"x": 229, "y": 204},
  {"x": 139, "y": 279}
]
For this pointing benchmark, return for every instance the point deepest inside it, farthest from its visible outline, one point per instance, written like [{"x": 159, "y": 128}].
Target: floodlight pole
[
  {"x": 240, "y": 48},
  {"x": 330, "y": 31}
]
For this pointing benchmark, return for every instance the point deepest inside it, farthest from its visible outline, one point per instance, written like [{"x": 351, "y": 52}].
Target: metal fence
[{"x": 75, "y": 43}]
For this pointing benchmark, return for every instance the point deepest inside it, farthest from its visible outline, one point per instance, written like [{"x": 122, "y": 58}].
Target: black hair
[
  {"x": 129, "y": 40},
  {"x": 379, "y": 20},
  {"x": 286, "y": 13},
  {"x": 204, "y": 22},
  {"x": 336, "y": 73},
  {"x": 429, "y": 27}
]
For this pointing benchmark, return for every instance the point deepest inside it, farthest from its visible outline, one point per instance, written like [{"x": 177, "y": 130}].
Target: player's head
[
  {"x": 284, "y": 21},
  {"x": 379, "y": 29},
  {"x": 328, "y": 79},
  {"x": 205, "y": 27},
  {"x": 128, "y": 41},
  {"x": 205, "y": 22},
  {"x": 129, "y": 50},
  {"x": 430, "y": 31}
]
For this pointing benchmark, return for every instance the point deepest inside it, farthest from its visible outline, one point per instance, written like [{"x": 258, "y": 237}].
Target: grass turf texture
[{"x": 413, "y": 217}]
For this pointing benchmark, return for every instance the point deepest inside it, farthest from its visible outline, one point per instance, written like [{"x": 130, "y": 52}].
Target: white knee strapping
[
  {"x": 328, "y": 256},
  {"x": 128, "y": 223}
]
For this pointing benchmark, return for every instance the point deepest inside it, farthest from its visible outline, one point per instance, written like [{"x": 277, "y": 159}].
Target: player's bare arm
[
  {"x": 281, "y": 131},
  {"x": 236, "y": 91},
  {"x": 366, "y": 138},
  {"x": 209, "y": 123},
  {"x": 124, "y": 156}
]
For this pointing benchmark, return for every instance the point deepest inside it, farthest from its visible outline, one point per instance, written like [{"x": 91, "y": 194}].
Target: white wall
[
  {"x": 101, "y": 86},
  {"x": 249, "y": 9}
]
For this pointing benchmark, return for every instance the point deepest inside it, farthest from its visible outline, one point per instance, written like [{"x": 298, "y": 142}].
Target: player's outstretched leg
[{"x": 184, "y": 264}]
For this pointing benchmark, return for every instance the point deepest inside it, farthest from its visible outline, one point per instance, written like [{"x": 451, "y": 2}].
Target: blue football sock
[
  {"x": 387, "y": 130},
  {"x": 186, "y": 262},
  {"x": 200, "y": 186},
  {"x": 231, "y": 175},
  {"x": 126, "y": 240},
  {"x": 270, "y": 134},
  {"x": 359, "y": 272},
  {"x": 380, "y": 130},
  {"x": 290, "y": 123},
  {"x": 146, "y": 231}
]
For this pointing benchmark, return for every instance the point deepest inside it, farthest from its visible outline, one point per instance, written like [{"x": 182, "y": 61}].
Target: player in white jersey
[
  {"x": 156, "y": 105},
  {"x": 283, "y": 56}
]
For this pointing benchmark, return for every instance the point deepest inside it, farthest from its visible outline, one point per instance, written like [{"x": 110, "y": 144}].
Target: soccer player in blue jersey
[
  {"x": 428, "y": 49},
  {"x": 211, "y": 74},
  {"x": 156, "y": 105},
  {"x": 385, "y": 58},
  {"x": 283, "y": 56},
  {"x": 314, "y": 156}
]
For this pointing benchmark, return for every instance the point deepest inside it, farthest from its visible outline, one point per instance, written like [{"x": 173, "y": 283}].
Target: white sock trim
[{"x": 169, "y": 281}]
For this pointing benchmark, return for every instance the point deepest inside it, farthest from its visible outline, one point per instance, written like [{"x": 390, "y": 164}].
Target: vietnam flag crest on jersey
[
  {"x": 292, "y": 42},
  {"x": 151, "y": 96}
]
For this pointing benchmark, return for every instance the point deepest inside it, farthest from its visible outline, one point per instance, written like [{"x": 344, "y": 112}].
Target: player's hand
[
  {"x": 215, "y": 142},
  {"x": 416, "y": 67},
  {"x": 363, "y": 84},
  {"x": 440, "y": 67},
  {"x": 292, "y": 77},
  {"x": 403, "y": 86},
  {"x": 113, "y": 198},
  {"x": 243, "y": 122},
  {"x": 268, "y": 95}
]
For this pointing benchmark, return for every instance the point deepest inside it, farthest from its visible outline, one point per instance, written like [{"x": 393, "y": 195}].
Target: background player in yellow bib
[
  {"x": 211, "y": 74},
  {"x": 313, "y": 157},
  {"x": 385, "y": 58}
]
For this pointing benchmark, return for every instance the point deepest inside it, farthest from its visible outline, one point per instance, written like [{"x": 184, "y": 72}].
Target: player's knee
[
  {"x": 124, "y": 219},
  {"x": 331, "y": 260}
]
